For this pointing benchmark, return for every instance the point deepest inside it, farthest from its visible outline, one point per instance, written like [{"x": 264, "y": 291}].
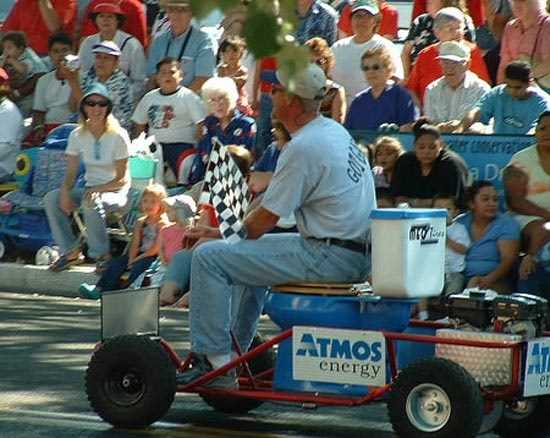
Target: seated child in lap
[{"x": 144, "y": 246}]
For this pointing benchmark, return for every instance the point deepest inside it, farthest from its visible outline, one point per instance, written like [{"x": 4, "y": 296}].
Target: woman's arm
[
  {"x": 509, "y": 250},
  {"x": 65, "y": 202},
  {"x": 515, "y": 183}
]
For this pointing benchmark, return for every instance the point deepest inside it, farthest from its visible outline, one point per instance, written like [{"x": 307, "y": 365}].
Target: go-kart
[{"x": 486, "y": 368}]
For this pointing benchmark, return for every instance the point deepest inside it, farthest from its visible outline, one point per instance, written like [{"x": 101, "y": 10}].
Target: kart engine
[{"x": 520, "y": 314}]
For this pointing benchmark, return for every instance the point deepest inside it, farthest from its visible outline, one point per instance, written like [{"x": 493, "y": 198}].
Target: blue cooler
[{"x": 364, "y": 312}]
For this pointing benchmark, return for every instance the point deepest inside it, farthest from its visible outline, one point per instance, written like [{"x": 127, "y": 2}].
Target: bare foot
[{"x": 183, "y": 302}]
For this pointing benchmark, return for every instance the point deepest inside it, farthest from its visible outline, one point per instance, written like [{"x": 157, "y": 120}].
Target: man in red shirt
[
  {"x": 135, "y": 23},
  {"x": 388, "y": 25},
  {"x": 40, "y": 19}
]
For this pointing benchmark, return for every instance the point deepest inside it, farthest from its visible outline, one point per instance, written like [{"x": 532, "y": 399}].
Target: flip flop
[{"x": 64, "y": 262}]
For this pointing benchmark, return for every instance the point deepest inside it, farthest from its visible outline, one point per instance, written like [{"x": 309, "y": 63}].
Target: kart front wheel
[
  {"x": 435, "y": 398},
  {"x": 130, "y": 381}
]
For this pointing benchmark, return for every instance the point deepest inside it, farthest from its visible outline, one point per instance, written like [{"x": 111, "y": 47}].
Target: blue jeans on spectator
[
  {"x": 179, "y": 270},
  {"x": 538, "y": 283},
  {"x": 263, "y": 123},
  {"x": 223, "y": 273},
  {"x": 110, "y": 279},
  {"x": 94, "y": 217},
  {"x": 171, "y": 153}
]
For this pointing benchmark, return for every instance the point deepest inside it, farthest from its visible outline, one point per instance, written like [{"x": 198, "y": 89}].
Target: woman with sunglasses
[
  {"x": 384, "y": 101},
  {"x": 101, "y": 145}
]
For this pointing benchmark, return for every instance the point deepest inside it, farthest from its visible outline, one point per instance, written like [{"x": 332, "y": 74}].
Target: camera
[{"x": 72, "y": 62}]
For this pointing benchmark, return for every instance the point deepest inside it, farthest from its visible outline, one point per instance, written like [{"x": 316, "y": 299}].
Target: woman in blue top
[
  {"x": 224, "y": 122},
  {"x": 384, "y": 101},
  {"x": 495, "y": 240}
]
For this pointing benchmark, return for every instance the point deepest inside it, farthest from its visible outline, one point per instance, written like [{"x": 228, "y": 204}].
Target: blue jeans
[
  {"x": 179, "y": 270},
  {"x": 94, "y": 217},
  {"x": 538, "y": 283},
  {"x": 229, "y": 282},
  {"x": 110, "y": 279}
]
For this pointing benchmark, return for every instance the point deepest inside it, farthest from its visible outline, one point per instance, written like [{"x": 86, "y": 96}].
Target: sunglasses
[
  {"x": 93, "y": 103},
  {"x": 373, "y": 67}
]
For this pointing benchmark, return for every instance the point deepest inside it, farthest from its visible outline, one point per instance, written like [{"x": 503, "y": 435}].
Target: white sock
[
  {"x": 423, "y": 315},
  {"x": 219, "y": 360}
]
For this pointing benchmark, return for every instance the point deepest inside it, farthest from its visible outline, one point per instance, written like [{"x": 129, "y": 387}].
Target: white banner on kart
[
  {"x": 331, "y": 355},
  {"x": 537, "y": 368}
]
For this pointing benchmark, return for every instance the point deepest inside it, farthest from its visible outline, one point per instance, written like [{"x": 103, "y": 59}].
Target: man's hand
[
  {"x": 66, "y": 203},
  {"x": 202, "y": 232},
  {"x": 527, "y": 266}
]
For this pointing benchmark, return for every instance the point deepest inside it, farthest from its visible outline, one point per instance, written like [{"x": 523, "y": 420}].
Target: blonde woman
[{"x": 102, "y": 146}]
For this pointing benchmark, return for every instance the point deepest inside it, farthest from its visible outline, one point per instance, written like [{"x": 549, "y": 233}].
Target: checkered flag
[{"x": 226, "y": 189}]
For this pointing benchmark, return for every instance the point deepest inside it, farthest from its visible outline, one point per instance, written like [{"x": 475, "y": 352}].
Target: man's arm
[
  {"x": 259, "y": 221},
  {"x": 473, "y": 116},
  {"x": 515, "y": 183},
  {"x": 49, "y": 15}
]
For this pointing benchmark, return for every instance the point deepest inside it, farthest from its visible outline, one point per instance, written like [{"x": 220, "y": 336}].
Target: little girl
[
  {"x": 144, "y": 246},
  {"x": 386, "y": 152},
  {"x": 231, "y": 52}
]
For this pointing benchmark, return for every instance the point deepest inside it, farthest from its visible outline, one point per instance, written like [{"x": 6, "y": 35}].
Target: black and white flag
[{"x": 226, "y": 189}]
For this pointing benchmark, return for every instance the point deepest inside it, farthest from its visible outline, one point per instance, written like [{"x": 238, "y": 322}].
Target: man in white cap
[
  {"x": 365, "y": 20},
  {"x": 193, "y": 48},
  {"x": 449, "y": 98},
  {"x": 327, "y": 182},
  {"x": 106, "y": 71}
]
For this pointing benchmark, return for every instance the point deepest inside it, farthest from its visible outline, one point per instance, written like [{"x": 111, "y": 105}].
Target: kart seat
[{"x": 328, "y": 289}]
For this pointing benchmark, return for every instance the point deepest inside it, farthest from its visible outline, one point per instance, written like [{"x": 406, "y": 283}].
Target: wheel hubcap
[
  {"x": 428, "y": 407},
  {"x": 125, "y": 387}
]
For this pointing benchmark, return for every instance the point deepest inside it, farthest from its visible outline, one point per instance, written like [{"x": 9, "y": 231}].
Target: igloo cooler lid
[{"x": 407, "y": 213}]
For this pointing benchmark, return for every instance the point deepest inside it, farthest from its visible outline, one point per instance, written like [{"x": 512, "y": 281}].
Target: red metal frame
[{"x": 260, "y": 386}]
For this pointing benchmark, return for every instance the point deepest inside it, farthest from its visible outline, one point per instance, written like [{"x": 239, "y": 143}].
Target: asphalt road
[{"x": 45, "y": 345}]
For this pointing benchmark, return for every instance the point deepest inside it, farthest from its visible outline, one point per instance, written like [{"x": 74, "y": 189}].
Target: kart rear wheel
[
  {"x": 435, "y": 398},
  {"x": 525, "y": 417},
  {"x": 130, "y": 381},
  {"x": 241, "y": 405}
]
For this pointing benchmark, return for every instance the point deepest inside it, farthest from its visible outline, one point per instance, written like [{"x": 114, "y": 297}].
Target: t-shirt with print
[
  {"x": 119, "y": 90},
  {"x": 454, "y": 261},
  {"x": 512, "y": 116},
  {"x": 326, "y": 181},
  {"x": 172, "y": 118},
  {"x": 99, "y": 156},
  {"x": 51, "y": 96}
]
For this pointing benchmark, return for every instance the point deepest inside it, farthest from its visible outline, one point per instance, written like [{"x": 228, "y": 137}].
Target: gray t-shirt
[{"x": 326, "y": 181}]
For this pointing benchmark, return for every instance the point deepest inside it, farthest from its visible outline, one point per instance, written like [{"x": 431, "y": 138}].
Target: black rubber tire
[
  {"x": 242, "y": 405},
  {"x": 140, "y": 363},
  {"x": 462, "y": 391},
  {"x": 512, "y": 425}
]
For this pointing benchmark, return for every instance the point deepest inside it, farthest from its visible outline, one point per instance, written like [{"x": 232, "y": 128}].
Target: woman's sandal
[{"x": 64, "y": 262}]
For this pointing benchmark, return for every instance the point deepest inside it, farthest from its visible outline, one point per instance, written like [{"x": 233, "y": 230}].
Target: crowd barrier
[{"x": 485, "y": 155}]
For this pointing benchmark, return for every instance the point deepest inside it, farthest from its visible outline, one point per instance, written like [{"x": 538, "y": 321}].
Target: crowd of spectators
[{"x": 150, "y": 67}]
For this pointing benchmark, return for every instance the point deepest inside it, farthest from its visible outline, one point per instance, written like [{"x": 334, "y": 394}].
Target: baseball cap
[
  {"x": 4, "y": 75},
  {"x": 309, "y": 83},
  {"x": 371, "y": 6},
  {"x": 107, "y": 8},
  {"x": 99, "y": 89},
  {"x": 108, "y": 47},
  {"x": 454, "y": 51}
]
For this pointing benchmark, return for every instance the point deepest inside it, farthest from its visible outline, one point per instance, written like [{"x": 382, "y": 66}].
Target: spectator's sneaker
[
  {"x": 65, "y": 262},
  {"x": 200, "y": 365},
  {"x": 89, "y": 291}
]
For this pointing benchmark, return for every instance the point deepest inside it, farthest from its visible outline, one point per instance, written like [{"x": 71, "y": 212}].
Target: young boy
[
  {"x": 24, "y": 68},
  {"x": 458, "y": 242}
]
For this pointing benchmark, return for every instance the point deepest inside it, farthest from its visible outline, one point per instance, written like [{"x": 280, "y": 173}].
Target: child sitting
[
  {"x": 23, "y": 66},
  {"x": 386, "y": 152},
  {"x": 144, "y": 246},
  {"x": 231, "y": 52},
  {"x": 458, "y": 242}
]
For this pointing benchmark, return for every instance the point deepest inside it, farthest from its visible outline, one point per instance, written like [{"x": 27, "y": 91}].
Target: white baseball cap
[
  {"x": 454, "y": 51},
  {"x": 309, "y": 83}
]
